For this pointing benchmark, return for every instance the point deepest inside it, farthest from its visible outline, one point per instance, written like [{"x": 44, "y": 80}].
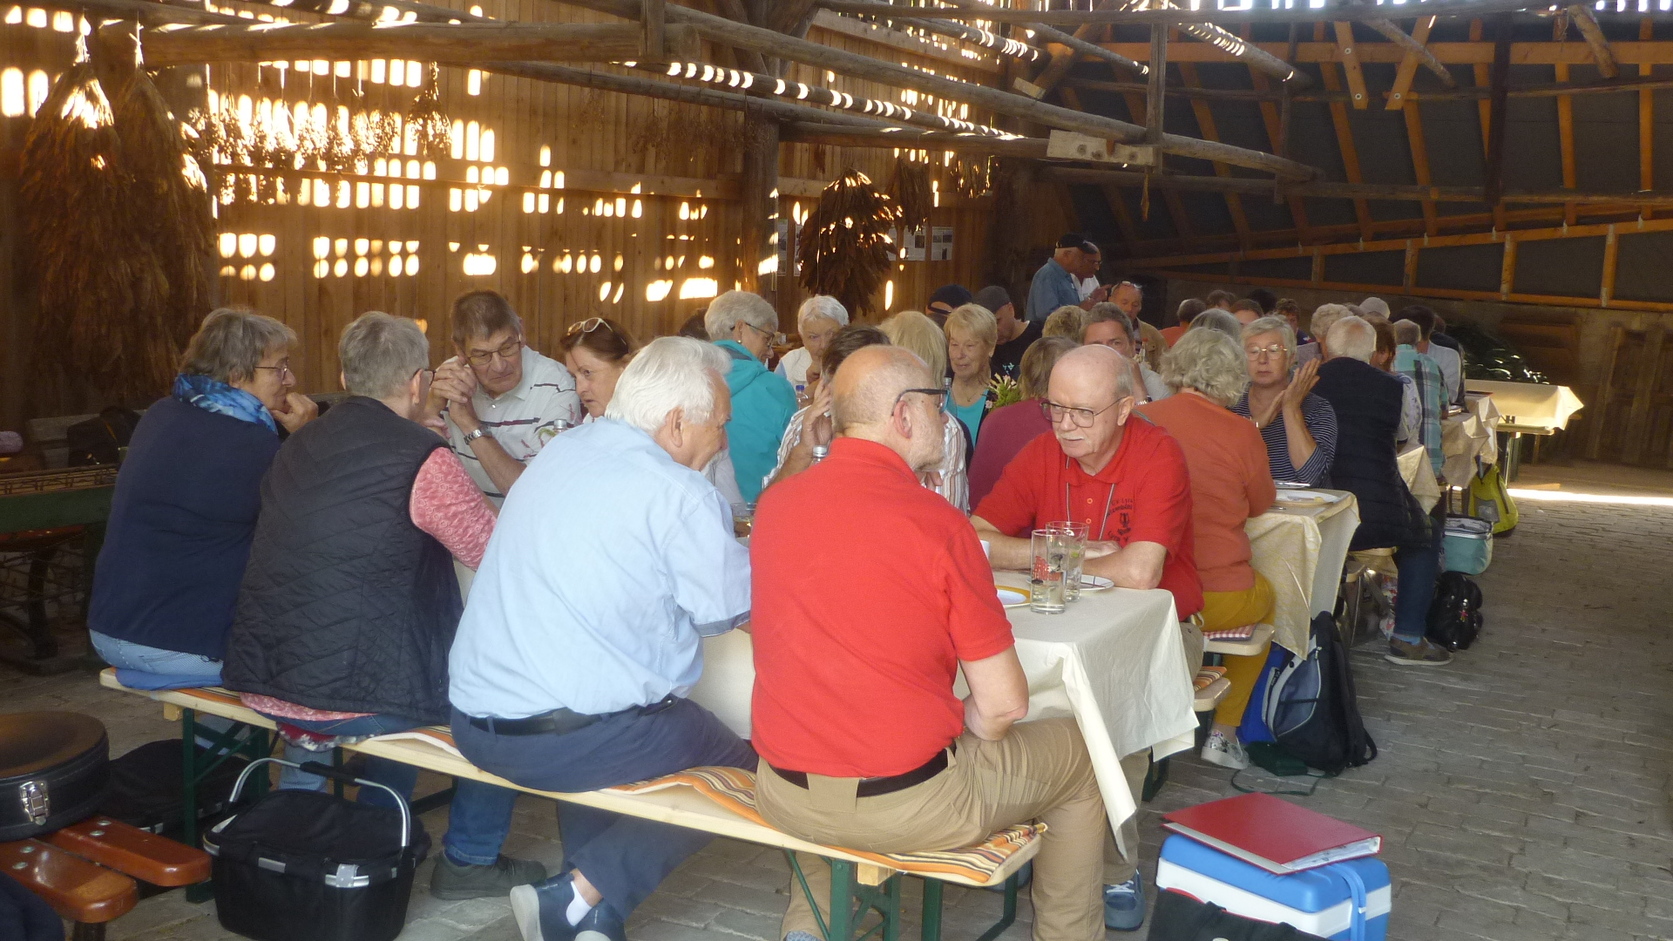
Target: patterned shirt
[
  {"x": 522, "y": 419},
  {"x": 1431, "y": 396},
  {"x": 1320, "y": 420}
]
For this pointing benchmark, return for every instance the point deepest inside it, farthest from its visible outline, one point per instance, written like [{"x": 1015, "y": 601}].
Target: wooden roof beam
[
  {"x": 1247, "y": 52},
  {"x": 1035, "y": 19},
  {"x": 461, "y": 43},
  {"x": 1586, "y": 20},
  {"x": 1407, "y": 71},
  {"x": 975, "y": 10},
  {"x": 1063, "y": 58},
  {"x": 1349, "y": 150},
  {"x": 813, "y": 132},
  {"x": 1015, "y": 48},
  {"x": 1417, "y": 52}
]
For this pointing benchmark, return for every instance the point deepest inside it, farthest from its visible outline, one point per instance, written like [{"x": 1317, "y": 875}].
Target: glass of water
[
  {"x": 1074, "y": 535},
  {"x": 1046, "y": 582}
]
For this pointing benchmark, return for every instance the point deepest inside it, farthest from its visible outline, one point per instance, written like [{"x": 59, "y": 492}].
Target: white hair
[
  {"x": 821, "y": 305},
  {"x": 1324, "y": 316},
  {"x": 668, "y": 373},
  {"x": 728, "y": 309},
  {"x": 1374, "y": 305},
  {"x": 1353, "y": 337}
]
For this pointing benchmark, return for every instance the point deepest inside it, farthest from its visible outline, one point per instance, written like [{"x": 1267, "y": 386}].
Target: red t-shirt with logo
[
  {"x": 868, "y": 589},
  {"x": 1142, "y": 495}
]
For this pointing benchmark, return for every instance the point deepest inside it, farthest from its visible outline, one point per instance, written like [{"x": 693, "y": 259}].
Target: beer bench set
[{"x": 720, "y": 801}]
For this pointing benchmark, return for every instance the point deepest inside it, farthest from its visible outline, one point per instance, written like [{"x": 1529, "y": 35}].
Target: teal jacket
[{"x": 762, "y": 403}]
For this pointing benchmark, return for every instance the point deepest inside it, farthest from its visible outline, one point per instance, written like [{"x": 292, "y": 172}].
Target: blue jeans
[
  {"x": 127, "y": 655},
  {"x": 625, "y": 858},
  {"x": 479, "y": 817},
  {"x": 1419, "y": 568}
]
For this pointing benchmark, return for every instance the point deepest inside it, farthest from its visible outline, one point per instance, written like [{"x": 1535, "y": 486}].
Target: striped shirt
[
  {"x": 522, "y": 419},
  {"x": 1320, "y": 420}
]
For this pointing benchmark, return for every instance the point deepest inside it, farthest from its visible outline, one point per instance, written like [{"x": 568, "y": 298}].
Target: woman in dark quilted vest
[
  {"x": 1368, "y": 405},
  {"x": 186, "y": 502},
  {"x": 349, "y": 602}
]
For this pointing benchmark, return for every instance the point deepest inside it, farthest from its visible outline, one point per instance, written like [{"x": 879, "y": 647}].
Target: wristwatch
[{"x": 472, "y": 436}]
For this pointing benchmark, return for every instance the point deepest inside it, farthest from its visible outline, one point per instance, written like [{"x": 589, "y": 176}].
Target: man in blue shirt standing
[
  {"x": 1057, "y": 283},
  {"x": 612, "y": 560}
]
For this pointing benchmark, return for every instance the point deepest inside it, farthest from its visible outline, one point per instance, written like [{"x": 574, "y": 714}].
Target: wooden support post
[
  {"x": 1565, "y": 141},
  {"x": 1350, "y": 65},
  {"x": 757, "y": 207},
  {"x": 1611, "y": 257},
  {"x": 1507, "y": 269},
  {"x": 1407, "y": 71},
  {"x": 1408, "y": 275},
  {"x": 1646, "y": 117},
  {"x": 434, "y": 42},
  {"x": 1498, "y": 81},
  {"x": 656, "y": 24},
  {"x": 1155, "y": 101}
]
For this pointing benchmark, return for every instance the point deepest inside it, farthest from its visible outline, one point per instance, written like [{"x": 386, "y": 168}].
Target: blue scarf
[{"x": 212, "y": 395}]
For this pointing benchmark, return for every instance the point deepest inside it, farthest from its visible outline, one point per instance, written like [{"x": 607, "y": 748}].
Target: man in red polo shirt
[
  {"x": 1126, "y": 479},
  {"x": 862, "y": 741}
]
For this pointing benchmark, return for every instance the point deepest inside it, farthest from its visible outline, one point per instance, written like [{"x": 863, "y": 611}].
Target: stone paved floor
[{"x": 1523, "y": 793}]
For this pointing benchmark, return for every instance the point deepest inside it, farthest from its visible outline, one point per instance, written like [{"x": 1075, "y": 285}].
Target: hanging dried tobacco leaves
[
  {"x": 845, "y": 247},
  {"x": 913, "y": 192}
]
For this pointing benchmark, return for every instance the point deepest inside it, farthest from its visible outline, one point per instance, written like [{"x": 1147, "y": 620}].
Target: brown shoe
[{"x": 1421, "y": 654}]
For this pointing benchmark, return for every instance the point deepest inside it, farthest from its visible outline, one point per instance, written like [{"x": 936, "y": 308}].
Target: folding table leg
[{"x": 930, "y": 930}]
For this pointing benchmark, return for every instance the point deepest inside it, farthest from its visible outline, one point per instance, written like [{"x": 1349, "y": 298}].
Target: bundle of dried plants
[
  {"x": 845, "y": 247},
  {"x": 913, "y": 191}
]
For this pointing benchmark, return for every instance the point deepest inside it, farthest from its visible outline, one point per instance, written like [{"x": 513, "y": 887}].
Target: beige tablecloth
[
  {"x": 1530, "y": 405},
  {"x": 1419, "y": 475},
  {"x": 1301, "y": 551},
  {"x": 1113, "y": 661},
  {"x": 1465, "y": 438}
]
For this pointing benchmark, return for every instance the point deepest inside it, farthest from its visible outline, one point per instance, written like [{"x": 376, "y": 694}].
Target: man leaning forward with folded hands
[
  {"x": 863, "y": 742},
  {"x": 613, "y": 558}
]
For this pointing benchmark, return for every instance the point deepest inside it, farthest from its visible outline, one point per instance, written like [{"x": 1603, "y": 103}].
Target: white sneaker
[{"x": 1225, "y": 752}]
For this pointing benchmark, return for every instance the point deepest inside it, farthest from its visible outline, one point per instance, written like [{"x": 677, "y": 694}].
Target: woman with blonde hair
[
  {"x": 972, "y": 333},
  {"x": 1230, "y": 484},
  {"x": 915, "y": 331},
  {"x": 1065, "y": 322}
]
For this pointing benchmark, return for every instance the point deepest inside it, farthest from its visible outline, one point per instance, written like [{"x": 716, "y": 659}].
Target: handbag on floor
[{"x": 1179, "y": 917}]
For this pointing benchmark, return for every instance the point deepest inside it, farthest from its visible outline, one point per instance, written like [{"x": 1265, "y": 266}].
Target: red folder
[{"x": 1274, "y": 834}]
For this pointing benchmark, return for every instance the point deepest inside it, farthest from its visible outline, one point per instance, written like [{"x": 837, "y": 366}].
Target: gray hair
[
  {"x": 380, "y": 353},
  {"x": 1106, "y": 312},
  {"x": 728, "y": 309},
  {"x": 1216, "y": 319},
  {"x": 1407, "y": 332},
  {"x": 1270, "y": 324},
  {"x": 821, "y": 305},
  {"x": 669, "y": 373},
  {"x": 1324, "y": 316},
  {"x": 1374, "y": 305},
  {"x": 1209, "y": 362},
  {"x": 231, "y": 342},
  {"x": 1353, "y": 337}
]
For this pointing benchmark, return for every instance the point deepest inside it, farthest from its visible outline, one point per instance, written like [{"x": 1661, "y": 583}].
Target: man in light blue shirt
[
  {"x": 612, "y": 559},
  {"x": 1057, "y": 283}
]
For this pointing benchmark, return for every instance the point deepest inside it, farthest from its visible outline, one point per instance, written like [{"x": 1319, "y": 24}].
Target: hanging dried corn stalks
[
  {"x": 844, "y": 248},
  {"x": 913, "y": 191},
  {"x": 427, "y": 124},
  {"x": 969, "y": 177},
  {"x": 118, "y": 223}
]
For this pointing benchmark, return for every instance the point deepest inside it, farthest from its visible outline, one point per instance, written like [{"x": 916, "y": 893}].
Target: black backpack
[
  {"x": 1455, "y": 614},
  {"x": 1313, "y": 708}
]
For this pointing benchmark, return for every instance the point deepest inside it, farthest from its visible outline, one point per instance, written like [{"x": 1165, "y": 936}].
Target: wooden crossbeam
[
  {"x": 1586, "y": 21},
  {"x": 1407, "y": 71},
  {"x": 1416, "y": 52},
  {"x": 1048, "y": 33},
  {"x": 1206, "y": 126},
  {"x": 970, "y": 10},
  {"x": 1064, "y": 56},
  {"x": 1449, "y": 53},
  {"x": 1351, "y": 66},
  {"x": 1014, "y": 48},
  {"x": 1420, "y": 161},
  {"x": 461, "y": 43},
  {"x": 1344, "y": 138}
]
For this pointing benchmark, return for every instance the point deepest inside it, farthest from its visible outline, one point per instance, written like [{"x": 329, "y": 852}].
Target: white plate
[
  {"x": 1094, "y": 582},
  {"x": 1011, "y": 597},
  {"x": 1305, "y": 498}
]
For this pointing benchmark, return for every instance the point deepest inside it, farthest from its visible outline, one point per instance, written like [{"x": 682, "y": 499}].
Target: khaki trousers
[{"x": 1038, "y": 771}]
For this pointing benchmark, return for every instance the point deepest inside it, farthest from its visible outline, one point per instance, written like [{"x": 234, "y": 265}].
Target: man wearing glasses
[
  {"x": 498, "y": 400},
  {"x": 1126, "y": 479}
]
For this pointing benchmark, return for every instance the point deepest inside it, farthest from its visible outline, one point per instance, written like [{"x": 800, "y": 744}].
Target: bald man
[
  {"x": 1126, "y": 479},
  {"x": 835, "y": 665}
]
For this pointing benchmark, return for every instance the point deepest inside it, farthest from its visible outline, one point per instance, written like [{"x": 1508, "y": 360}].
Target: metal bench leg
[
  {"x": 851, "y": 901},
  {"x": 240, "y": 738},
  {"x": 930, "y": 929},
  {"x": 1010, "y": 916}
]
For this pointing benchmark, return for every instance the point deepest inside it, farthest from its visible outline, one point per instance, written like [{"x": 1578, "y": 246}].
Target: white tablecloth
[
  {"x": 1465, "y": 439},
  {"x": 1301, "y": 551},
  {"x": 1530, "y": 405},
  {"x": 1419, "y": 474},
  {"x": 1113, "y": 661}
]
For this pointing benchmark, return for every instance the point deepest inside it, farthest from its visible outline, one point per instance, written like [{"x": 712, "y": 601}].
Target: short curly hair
[{"x": 1210, "y": 362}]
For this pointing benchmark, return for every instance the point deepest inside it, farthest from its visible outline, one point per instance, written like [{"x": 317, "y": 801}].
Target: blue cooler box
[{"x": 1318, "y": 901}]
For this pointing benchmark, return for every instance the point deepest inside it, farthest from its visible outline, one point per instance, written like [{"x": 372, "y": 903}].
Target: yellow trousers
[{"x": 1224, "y": 610}]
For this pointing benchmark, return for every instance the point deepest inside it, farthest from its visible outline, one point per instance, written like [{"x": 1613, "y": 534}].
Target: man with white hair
[
  {"x": 819, "y": 318},
  {"x": 349, "y": 601},
  {"x": 1319, "y": 326},
  {"x": 577, "y": 650},
  {"x": 1367, "y": 402},
  {"x": 745, "y": 327}
]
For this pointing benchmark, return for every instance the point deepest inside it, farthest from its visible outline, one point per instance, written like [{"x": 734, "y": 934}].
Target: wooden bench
[
  {"x": 87, "y": 871},
  {"x": 1242, "y": 648},
  {"x": 869, "y": 881}
]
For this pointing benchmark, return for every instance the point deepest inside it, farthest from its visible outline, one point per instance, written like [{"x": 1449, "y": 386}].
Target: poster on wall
[
  {"x": 786, "y": 257},
  {"x": 941, "y": 243},
  {"x": 917, "y": 245}
]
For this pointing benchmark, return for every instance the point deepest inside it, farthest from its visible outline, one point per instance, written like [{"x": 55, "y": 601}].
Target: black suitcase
[
  {"x": 310, "y": 866},
  {"x": 146, "y": 788},
  {"x": 52, "y": 771}
]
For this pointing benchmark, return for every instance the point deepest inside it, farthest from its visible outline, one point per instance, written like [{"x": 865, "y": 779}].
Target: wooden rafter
[
  {"x": 1416, "y": 51},
  {"x": 462, "y": 43},
  {"x": 1420, "y": 161},
  {"x": 1586, "y": 21},
  {"x": 971, "y": 10},
  {"x": 1449, "y": 53},
  {"x": 1407, "y": 71},
  {"x": 1049, "y": 33},
  {"x": 1015, "y": 48},
  {"x": 1345, "y": 138},
  {"x": 1351, "y": 66},
  {"x": 1063, "y": 57},
  {"x": 1206, "y": 126},
  {"x": 1273, "y": 120}
]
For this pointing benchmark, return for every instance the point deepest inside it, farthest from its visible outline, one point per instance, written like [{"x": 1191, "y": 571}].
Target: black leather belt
[
  {"x": 875, "y": 787},
  {"x": 561, "y": 721}
]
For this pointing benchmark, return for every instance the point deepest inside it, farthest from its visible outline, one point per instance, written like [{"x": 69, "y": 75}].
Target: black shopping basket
[{"x": 310, "y": 866}]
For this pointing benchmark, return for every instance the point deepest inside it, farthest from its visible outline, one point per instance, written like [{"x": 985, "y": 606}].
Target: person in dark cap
[
  {"x": 945, "y": 298},
  {"x": 1057, "y": 283},
  {"x": 1014, "y": 334}
]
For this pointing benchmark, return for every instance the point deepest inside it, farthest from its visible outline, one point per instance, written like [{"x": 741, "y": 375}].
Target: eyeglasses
[
  {"x": 506, "y": 352},
  {"x": 774, "y": 338},
  {"x": 1082, "y": 417},
  {"x": 283, "y": 369},
  {"x": 939, "y": 393},
  {"x": 588, "y": 326},
  {"x": 1275, "y": 351}
]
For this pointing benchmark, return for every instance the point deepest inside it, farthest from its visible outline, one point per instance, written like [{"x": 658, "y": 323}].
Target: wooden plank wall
[{"x": 643, "y": 227}]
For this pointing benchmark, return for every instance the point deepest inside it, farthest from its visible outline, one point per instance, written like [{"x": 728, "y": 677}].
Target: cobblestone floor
[{"x": 1523, "y": 793}]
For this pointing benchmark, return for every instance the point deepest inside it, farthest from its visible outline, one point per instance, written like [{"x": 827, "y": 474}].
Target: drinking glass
[
  {"x": 1075, "y": 536},
  {"x": 1046, "y": 579}
]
